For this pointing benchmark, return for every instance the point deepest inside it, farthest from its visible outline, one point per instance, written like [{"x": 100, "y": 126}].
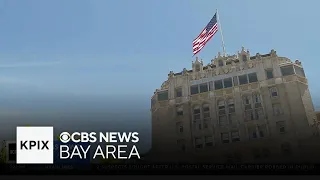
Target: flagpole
[{"x": 220, "y": 29}]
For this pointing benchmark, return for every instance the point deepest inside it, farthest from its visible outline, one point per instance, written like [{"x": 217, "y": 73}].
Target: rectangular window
[
  {"x": 269, "y": 73},
  {"x": 218, "y": 84},
  {"x": 227, "y": 83},
  {"x": 180, "y": 113},
  {"x": 252, "y": 77},
  {"x": 235, "y": 80},
  {"x": 252, "y": 131},
  {"x": 198, "y": 142},
  {"x": 244, "y": 58},
  {"x": 243, "y": 79},
  {"x": 287, "y": 70},
  {"x": 206, "y": 112},
  {"x": 197, "y": 125},
  {"x": 262, "y": 131},
  {"x": 179, "y": 92},
  {"x": 179, "y": 127},
  {"x": 281, "y": 126},
  {"x": 194, "y": 89},
  {"x": 209, "y": 140},
  {"x": 299, "y": 71},
  {"x": 235, "y": 136},
  {"x": 203, "y": 87},
  {"x": 249, "y": 115},
  {"x": 162, "y": 96},
  {"x": 225, "y": 137}
]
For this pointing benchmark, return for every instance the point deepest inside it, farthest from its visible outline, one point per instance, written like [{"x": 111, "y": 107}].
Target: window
[
  {"x": 227, "y": 83},
  {"x": 235, "y": 80},
  {"x": 299, "y": 71},
  {"x": 162, "y": 96},
  {"x": 281, "y": 126},
  {"x": 206, "y": 111},
  {"x": 197, "y": 67},
  {"x": 243, "y": 79},
  {"x": 225, "y": 137},
  {"x": 231, "y": 106},
  {"x": 244, "y": 57},
  {"x": 276, "y": 109},
  {"x": 179, "y": 126},
  {"x": 256, "y": 98},
  {"x": 220, "y": 63},
  {"x": 179, "y": 92},
  {"x": 274, "y": 92},
  {"x": 269, "y": 73},
  {"x": 197, "y": 125},
  {"x": 262, "y": 131},
  {"x": 252, "y": 131},
  {"x": 287, "y": 70},
  {"x": 179, "y": 112},
  {"x": 235, "y": 136},
  {"x": 209, "y": 140},
  {"x": 203, "y": 87},
  {"x": 221, "y": 107},
  {"x": 198, "y": 143},
  {"x": 218, "y": 84},
  {"x": 258, "y": 114},
  {"x": 252, "y": 77},
  {"x": 247, "y": 102},
  {"x": 249, "y": 115},
  {"x": 286, "y": 149},
  {"x": 206, "y": 123},
  {"x": 181, "y": 144},
  {"x": 196, "y": 113},
  {"x": 194, "y": 89}
]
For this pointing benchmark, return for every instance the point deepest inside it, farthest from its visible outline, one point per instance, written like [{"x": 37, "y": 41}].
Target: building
[{"x": 239, "y": 108}]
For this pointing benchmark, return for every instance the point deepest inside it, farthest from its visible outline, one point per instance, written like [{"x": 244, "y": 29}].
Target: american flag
[{"x": 205, "y": 35}]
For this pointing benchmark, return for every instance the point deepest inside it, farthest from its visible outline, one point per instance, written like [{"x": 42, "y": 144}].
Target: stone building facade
[{"x": 238, "y": 108}]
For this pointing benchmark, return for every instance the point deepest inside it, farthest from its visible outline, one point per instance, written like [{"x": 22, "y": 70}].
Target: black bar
[{"x": 163, "y": 169}]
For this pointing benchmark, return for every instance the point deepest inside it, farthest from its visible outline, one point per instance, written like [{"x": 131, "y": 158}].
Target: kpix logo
[{"x": 35, "y": 145}]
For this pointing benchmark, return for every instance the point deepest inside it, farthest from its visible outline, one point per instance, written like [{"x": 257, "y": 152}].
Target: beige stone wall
[{"x": 293, "y": 96}]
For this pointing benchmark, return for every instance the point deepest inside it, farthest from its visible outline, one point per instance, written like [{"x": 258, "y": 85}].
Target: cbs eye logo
[{"x": 65, "y": 137}]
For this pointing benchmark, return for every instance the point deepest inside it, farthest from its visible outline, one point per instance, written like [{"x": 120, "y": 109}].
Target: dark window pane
[
  {"x": 194, "y": 89},
  {"x": 218, "y": 84},
  {"x": 299, "y": 71},
  {"x": 287, "y": 70},
  {"x": 203, "y": 88},
  {"x": 227, "y": 82},
  {"x": 243, "y": 79},
  {"x": 162, "y": 96},
  {"x": 269, "y": 73},
  {"x": 178, "y": 92},
  {"x": 220, "y": 63},
  {"x": 252, "y": 77}
]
